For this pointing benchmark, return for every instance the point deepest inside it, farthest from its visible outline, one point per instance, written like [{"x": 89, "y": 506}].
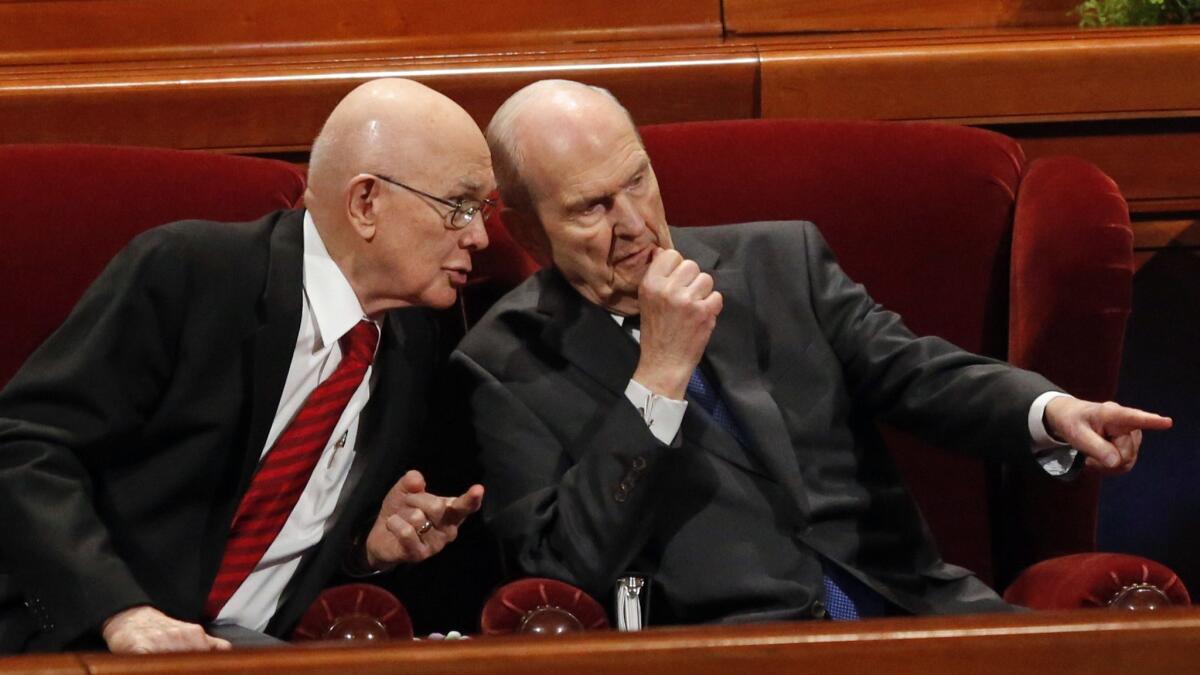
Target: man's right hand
[
  {"x": 145, "y": 630},
  {"x": 679, "y": 310}
]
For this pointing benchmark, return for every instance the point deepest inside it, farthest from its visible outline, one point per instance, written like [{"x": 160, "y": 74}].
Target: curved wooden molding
[
  {"x": 80, "y": 31},
  {"x": 265, "y": 105}
]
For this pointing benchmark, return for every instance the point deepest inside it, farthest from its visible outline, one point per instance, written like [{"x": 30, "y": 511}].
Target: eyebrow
[
  {"x": 468, "y": 184},
  {"x": 586, "y": 199},
  {"x": 580, "y": 203}
]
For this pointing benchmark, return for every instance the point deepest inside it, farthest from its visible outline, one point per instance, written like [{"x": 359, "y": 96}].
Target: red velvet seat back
[
  {"x": 923, "y": 216},
  {"x": 65, "y": 210}
]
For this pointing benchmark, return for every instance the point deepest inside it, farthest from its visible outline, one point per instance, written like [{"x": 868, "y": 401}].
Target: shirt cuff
[
  {"x": 663, "y": 415},
  {"x": 1055, "y": 457}
]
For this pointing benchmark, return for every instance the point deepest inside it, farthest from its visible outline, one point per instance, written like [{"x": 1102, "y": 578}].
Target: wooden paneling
[
  {"x": 1124, "y": 99},
  {"x": 1091, "y": 642},
  {"x": 72, "y": 31},
  {"x": 1156, "y": 162},
  {"x": 260, "y": 75},
  {"x": 272, "y": 105},
  {"x": 1152, "y": 236},
  {"x": 1034, "y": 76},
  {"x": 789, "y": 16}
]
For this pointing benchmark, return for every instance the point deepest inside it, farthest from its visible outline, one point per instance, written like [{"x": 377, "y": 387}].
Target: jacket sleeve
[
  {"x": 922, "y": 384},
  {"x": 90, "y": 385},
  {"x": 577, "y": 514}
]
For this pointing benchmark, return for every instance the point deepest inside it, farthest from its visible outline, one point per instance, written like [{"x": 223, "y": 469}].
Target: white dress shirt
[
  {"x": 328, "y": 311},
  {"x": 664, "y": 416}
]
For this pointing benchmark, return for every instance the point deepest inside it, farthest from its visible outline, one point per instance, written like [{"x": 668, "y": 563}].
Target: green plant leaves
[{"x": 1095, "y": 13}]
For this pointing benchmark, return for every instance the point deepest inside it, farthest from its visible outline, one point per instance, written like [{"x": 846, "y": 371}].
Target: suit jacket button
[
  {"x": 622, "y": 491},
  {"x": 818, "y": 610},
  {"x": 639, "y": 464}
]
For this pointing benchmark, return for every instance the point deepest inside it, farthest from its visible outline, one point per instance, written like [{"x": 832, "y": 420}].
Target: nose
[
  {"x": 474, "y": 237},
  {"x": 627, "y": 217}
]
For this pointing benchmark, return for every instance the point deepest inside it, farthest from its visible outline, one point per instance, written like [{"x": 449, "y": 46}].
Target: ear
[
  {"x": 526, "y": 229},
  {"x": 362, "y": 205}
]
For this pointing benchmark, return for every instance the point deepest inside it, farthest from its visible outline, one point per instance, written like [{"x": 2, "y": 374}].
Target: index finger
[
  {"x": 1132, "y": 418},
  {"x": 664, "y": 261},
  {"x": 463, "y": 505}
]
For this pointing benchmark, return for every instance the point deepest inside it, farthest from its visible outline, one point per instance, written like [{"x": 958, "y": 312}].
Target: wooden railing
[{"x": 1095, "y": 642}]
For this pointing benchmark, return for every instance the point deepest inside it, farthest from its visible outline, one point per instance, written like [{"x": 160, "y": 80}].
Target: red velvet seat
[
  {"x": 951, "y": 227},
  {"x": 65, "y": 210}
]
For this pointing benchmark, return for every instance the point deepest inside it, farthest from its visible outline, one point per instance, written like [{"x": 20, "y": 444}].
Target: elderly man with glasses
[{"x": 222, "y": 422}]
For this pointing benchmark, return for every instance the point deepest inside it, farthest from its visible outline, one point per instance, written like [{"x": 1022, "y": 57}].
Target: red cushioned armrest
[{"x": 1093, "y": 580}]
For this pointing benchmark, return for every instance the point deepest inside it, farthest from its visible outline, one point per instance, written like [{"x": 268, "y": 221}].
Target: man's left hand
[
  {"x": 414, "y": 525},
  {"x": 1106, "y": 433}
]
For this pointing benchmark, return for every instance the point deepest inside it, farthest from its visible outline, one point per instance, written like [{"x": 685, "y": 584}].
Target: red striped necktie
[{"x": 287, "y": 466}]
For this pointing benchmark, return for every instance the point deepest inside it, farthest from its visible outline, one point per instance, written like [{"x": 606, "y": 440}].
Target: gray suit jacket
[{"x": 578, "y": 488}]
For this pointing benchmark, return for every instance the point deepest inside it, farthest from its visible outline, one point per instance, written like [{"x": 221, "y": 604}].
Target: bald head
[
  {"x": 385, "y": 174},
  {"x": 579, "y": 187},
  {"x": 380, "y": 126},
  {"x": 548, "y": 118}
]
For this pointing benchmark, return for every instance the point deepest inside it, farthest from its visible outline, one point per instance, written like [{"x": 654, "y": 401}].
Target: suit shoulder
[
  {"x": 752, "y": 230},
  {"x": 759, "y": 238},
  {"x": 206, "y": 240},
  {"x": 209, "y": 249},
  {"x": 199, "y": 263},
  {"x": 505, "y": 327}
]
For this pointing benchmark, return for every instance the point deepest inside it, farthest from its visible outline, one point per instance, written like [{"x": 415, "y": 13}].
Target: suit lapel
[
  {"x": 267, "y": 355},
  {"x": 272, "y": 344},
  {"x": 732, "y": 358},
  {"x": 586, "y": 335}
]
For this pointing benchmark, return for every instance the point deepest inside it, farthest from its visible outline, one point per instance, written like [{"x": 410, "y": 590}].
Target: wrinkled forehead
[
  {"x": 450, "y": 156},
  {"x": 467, "y": 169},
  {"x": 580, "y": 151}
]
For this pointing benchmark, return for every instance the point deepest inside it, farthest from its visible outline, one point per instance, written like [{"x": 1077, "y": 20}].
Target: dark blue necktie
[{"x": 846, "y": 598}]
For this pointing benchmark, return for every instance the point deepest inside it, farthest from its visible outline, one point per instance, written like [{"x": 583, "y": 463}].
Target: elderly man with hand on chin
[
  {"x": 699, "y": 405},
  {"x": 218, "y": 427}
]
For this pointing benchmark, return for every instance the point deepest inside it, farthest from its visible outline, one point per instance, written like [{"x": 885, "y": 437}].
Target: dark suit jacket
[
  {"x": 578, "y": 488},
  {"x": 129, "y": 437}
]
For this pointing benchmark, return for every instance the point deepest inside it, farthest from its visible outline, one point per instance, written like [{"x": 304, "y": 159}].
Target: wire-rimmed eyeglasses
[{"x": 462, "y": 212}]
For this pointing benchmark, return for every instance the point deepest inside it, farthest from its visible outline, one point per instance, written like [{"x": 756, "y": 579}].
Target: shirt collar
[
  {"x": 335, "y": 307},
  {"x": 634, "y": 329}
]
